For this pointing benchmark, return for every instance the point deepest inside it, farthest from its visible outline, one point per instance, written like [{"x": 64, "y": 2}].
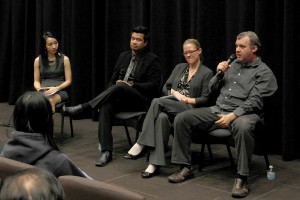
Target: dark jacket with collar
[
  {"x": 198, "y": 85},
  {"x": 147, "y": 77},
  {"x": 30, "y": 148}
]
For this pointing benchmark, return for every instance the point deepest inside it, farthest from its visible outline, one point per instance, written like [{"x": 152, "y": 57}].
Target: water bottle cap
[{"x": 271, "y": 166}]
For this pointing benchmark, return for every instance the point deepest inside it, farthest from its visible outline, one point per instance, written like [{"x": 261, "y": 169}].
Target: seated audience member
[
  {"x": 188, "y": 86},
  {"x": 239, "y": 105},
  {"x": 32, "y": 140},
  {"x": 52, "y": 70},
  {"x": 32, "y": 184},
  {"x": 135, "y": 82}
]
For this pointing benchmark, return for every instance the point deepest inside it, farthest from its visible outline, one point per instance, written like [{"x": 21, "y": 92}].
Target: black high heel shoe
[
  {"x": 134, "y": 157},
  {"x": 149, "y": 175}
]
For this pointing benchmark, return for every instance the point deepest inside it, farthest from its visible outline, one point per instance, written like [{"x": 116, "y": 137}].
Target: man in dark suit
[{"x": 135, "y": 82}]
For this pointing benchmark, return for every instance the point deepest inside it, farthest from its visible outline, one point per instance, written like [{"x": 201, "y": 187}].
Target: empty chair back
[
  {"x": 77, "y": 188},
  {"x": 9, "y": 167}
]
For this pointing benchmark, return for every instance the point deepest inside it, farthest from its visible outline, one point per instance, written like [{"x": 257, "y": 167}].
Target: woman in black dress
[{"x": 52, "y": 71}]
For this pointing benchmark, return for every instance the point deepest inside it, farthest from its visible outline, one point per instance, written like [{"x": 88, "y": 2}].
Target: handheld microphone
[
  {"x": 169, "y": 86},
  {"x": 231, "y": 58}
]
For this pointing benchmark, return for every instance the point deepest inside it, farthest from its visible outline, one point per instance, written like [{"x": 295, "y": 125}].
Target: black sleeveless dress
[{"x": 54, "y": 75}]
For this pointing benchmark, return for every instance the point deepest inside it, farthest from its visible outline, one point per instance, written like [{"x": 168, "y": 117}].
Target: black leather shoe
[
  {"x": 105, "y": 158},
  {"x": 149, "y": 175},
  {"x": 134, "y": 157},
  {"x": 74, "y": 110}
]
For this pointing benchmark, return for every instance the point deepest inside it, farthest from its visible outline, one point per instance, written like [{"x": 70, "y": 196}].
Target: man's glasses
[{"x": 189, "y": 52}]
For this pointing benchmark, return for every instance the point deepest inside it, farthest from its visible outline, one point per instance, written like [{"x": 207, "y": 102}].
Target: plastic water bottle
[{"x": 271, "y": 173}]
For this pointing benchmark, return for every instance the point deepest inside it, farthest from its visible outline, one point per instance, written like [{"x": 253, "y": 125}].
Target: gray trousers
[
  {"x": 201, "y": 120},
  {"x": 157, "y": 125}
]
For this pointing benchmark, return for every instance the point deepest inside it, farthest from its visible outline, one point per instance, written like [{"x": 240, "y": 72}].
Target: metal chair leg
[
  {"x": 230, "y": 155},
  {"x": 127, "y": 134},
  {"x": 71, "y": 125},
  {"x": 62, "y": 127}
]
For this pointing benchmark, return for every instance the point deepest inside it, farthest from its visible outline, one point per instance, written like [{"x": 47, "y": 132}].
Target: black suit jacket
[{"x": 147, "y": 77}]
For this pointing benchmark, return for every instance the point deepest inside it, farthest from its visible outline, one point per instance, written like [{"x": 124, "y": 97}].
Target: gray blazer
[{"x": 198, "y": 85}]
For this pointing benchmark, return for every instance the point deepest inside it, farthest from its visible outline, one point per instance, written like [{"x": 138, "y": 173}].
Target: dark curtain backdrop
[{"x": 94, "y": 32}]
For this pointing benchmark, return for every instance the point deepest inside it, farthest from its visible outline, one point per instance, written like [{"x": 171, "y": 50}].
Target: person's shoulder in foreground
[{"x": 32, "y": 140}]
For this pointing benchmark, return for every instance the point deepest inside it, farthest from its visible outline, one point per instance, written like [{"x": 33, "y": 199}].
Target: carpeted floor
[{"x": 213, "y": 182}]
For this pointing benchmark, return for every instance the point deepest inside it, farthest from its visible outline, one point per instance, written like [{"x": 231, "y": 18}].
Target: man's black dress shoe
[
  {"x": 105, "y": 158},
  {"x": 74, "y": 110},
  {"x": 149, "y": 175}
]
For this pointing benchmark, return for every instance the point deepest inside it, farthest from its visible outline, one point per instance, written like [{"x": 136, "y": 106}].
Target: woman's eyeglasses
[{"x": 189, "y": 52}]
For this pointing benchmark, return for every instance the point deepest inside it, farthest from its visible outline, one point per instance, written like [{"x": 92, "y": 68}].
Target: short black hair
[{"x": 142, "y": 29}]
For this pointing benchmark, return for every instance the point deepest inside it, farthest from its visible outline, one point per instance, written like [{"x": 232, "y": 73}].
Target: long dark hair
[
  {"x": 43, "y": 50},
  {"x": 45, "y": 36},
  {"x": 33, "y": 114}
]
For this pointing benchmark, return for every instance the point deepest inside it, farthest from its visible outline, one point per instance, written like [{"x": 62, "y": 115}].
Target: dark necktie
[{"x": 130, "y": 68}]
